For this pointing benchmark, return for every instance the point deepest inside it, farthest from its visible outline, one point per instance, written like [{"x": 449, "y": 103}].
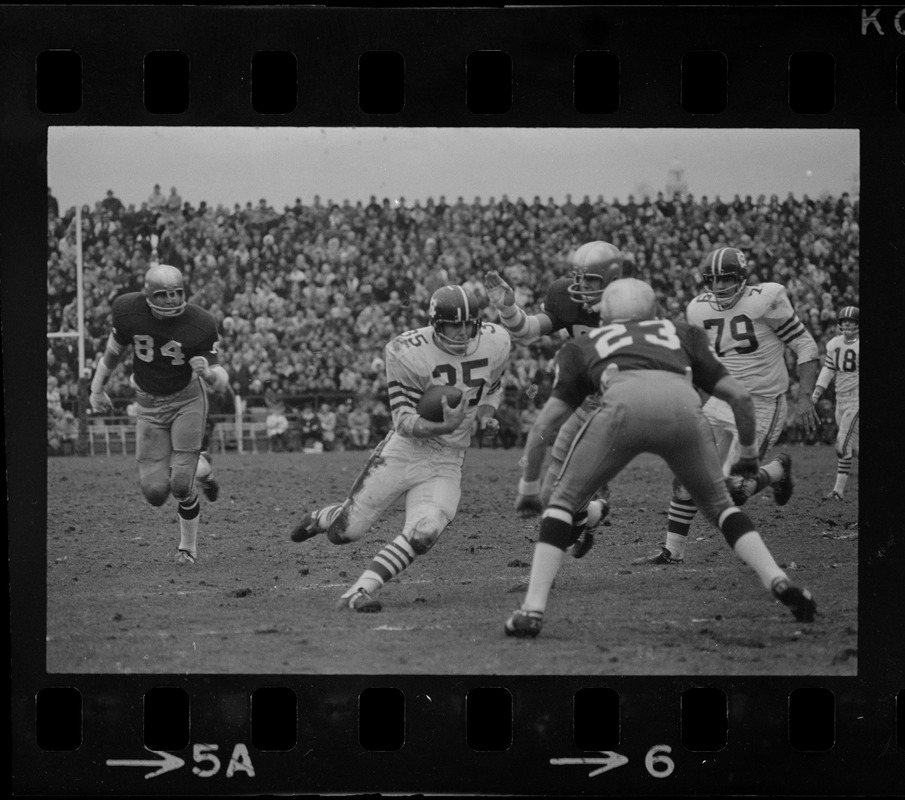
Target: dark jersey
[
  {"x": 650, "y": 344},
  {"x": 565, "y": 313},
  {"x": 162, "y": 347}
]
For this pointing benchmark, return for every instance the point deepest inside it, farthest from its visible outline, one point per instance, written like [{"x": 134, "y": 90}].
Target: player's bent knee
[
  {"x": 341, "y": 531},
  {"x": 156, "y": 493},
  {"x": 679, "y": 492},
  {"x": 425, "y": 533},
  {"x": 181, "y": 487}
]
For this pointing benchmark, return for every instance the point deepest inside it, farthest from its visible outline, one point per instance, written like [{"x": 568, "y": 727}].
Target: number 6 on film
[{"x": 659, "y": 766}]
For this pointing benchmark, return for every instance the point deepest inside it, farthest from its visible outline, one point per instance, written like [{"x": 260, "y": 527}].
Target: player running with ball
[{"x": 420, "y": 460}]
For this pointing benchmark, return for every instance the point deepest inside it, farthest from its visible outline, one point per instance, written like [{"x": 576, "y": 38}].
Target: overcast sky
[{"x": 238, "y": 165}]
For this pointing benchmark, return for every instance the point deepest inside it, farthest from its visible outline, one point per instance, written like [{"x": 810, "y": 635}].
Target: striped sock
[
  {"x": 843, "y": 470},
  {"x": 387, "y": 564},
  {"x": 681, "y": 515}
]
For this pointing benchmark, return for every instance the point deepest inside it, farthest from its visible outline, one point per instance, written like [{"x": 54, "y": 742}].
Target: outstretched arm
[{"x": 523, "y": 329}]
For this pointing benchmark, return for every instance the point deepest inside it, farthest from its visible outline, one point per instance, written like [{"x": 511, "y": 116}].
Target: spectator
[
  {"x": 67, "y": 433},
  {"x": 343, "y": 441},
  {"x": 156, "y": 200},
  {"x": 277, "y": 428},
  {"x": 359, "y": 428},
  {"x": 289, "y": 302},
  {"x": 327, "y": 417},
  {"x": 113, "y": 205},
  {"x": 310, "y": 432},
  {"x": 507, "y": 416},
  {"x": 54, "y": 401}
]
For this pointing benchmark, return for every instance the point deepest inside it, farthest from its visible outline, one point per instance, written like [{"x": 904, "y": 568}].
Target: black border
[{"x": 866, "y": 759}]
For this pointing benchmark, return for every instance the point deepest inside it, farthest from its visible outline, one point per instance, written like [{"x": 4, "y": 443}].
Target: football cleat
[
  {"x": 209, "y": 485},
  {"x": 736, "y": 486},
  {"x": 782, "y": 489},
  {"x": 185, "y": 557},
  {"x": 833, "y": 495},
  {"x": 360, "y": 601},
  {"x": 663, "y": 557},
  {"x": 585, "y": 542},
  {"x": 210, "y": 488},
  {"x": 524, "y": 624},
  {"x": 798, "y": 600},
  {"x": 306, "y": 529}
]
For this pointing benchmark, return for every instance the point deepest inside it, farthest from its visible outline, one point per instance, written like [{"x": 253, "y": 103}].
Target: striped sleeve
[
  {"x": 404, "y": 390},
  {"x": 788, "y": 326}
]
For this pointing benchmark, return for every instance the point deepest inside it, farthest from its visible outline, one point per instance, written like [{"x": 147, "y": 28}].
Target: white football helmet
[
  {"x": 595, "y": 264},
  {"x": 165, "y": 290},
  {"x": 627, "y": 300}
]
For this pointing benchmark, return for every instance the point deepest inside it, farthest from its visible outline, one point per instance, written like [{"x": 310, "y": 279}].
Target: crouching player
[{"x": 647, "y": 370}]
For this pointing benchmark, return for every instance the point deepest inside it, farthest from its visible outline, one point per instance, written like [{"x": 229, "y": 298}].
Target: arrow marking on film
[
  {"x": 609, "y": 761},
  {"x": 167, "y": 763}
]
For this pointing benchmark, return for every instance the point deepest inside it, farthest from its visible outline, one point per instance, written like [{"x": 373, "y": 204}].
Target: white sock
[
  {"x": 369, "y": 581},
  {"x": 675, "y": 543},
  {"x": 751, "y": 549},
  {"x": 544, "y": 566},
  {"x": 188, "y": 538}
]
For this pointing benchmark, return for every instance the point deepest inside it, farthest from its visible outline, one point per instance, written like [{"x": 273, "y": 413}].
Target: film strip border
[
  {"x": 678, "y": 66},
  {"x": 689, "y": 67},
  {"x": 520, "y": 736}
]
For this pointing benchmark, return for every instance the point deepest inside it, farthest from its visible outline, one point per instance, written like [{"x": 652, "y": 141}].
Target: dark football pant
[
  {"x": 169, "y": 432},
  {"x": 644, "y": 411}
]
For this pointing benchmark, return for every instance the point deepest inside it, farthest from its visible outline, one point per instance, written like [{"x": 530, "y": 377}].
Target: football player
[
  {"x": 843, "y": 356},
  {"x": 749, "y": 328},
  {"x": 642, "y": 365},
  {"x": 418, "y": 459},
  {"x": 569, "y": 305},
  {"x": 174, "y": 366}
]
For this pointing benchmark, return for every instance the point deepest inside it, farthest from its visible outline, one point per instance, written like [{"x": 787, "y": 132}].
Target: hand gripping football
[{"x": 429, "y": 405}]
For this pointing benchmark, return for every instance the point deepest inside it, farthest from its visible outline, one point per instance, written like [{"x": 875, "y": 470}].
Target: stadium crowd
[{"x": 307, "y": 297}]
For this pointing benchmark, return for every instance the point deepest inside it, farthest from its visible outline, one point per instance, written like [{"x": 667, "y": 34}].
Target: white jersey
[
  {"x": 414, "y": 362},
  {"x": 841, "y": 363},
  {"x": 751, "y": 336}
]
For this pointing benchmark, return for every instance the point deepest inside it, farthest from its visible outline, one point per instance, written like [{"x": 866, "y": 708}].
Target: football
[{"x": 429, "y": 405}]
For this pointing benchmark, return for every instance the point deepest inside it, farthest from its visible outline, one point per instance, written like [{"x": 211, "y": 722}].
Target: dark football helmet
[
  {"x": 627, "y": 299},
  {"x": 594, "y": 264},
  {"x": 455, "y": 318},
  {"x": 165, "y": 290},
  {"x": 722, "y": 264},
  {"x": 849, "y": 323}
]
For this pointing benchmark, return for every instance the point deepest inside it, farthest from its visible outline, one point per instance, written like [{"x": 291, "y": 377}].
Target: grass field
[{"x": 257, "y": 603}]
